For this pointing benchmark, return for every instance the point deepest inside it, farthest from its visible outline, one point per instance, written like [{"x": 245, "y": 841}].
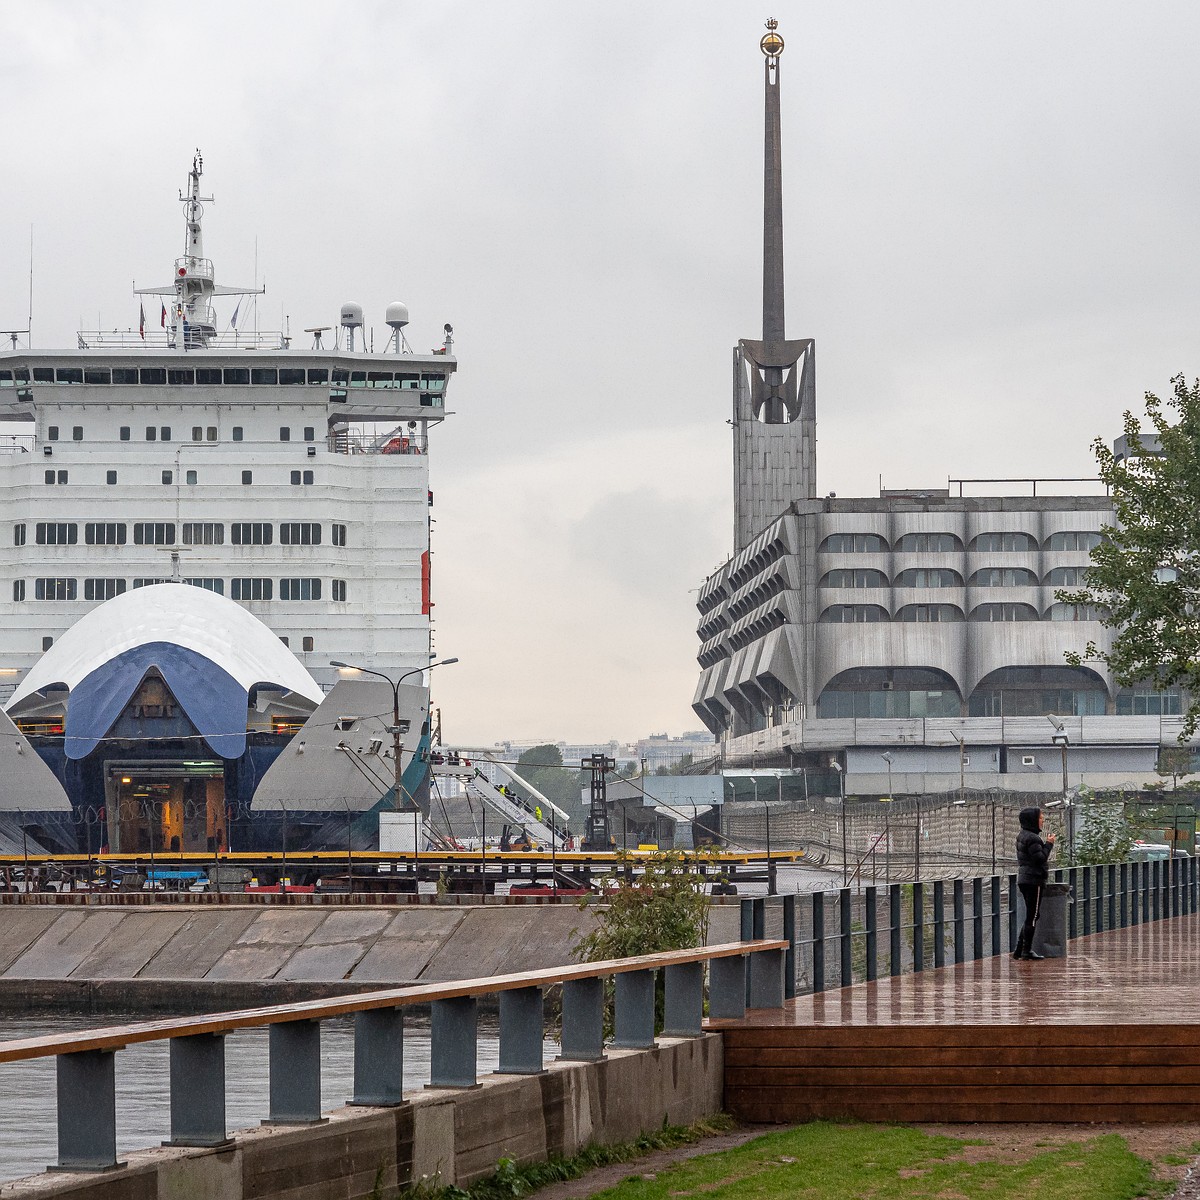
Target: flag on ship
[
  {"x": 163, "y": 319},
  {"x": 141, "y": 320},
  {"x": 233, "y": 319}
]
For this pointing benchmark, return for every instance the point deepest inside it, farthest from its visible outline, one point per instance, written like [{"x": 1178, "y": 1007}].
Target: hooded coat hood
[{"x": 1029, "y": 819}]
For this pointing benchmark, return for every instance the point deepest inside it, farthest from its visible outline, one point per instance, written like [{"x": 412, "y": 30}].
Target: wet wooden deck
[{"x": 1111, "y": 1033}]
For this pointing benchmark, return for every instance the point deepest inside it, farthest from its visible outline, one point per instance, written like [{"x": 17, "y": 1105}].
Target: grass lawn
[{"x": 826, "y": 1161}]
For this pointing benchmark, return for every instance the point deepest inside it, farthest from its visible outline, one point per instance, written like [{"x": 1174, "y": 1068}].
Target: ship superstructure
[{"x": 294, "y": 481}]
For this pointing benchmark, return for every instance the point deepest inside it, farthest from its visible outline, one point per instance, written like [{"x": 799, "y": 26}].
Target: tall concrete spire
[{"x": 774, "y": 396}]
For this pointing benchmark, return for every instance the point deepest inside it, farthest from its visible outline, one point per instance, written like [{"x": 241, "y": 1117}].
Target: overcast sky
[{"x": 990, "y": 226}]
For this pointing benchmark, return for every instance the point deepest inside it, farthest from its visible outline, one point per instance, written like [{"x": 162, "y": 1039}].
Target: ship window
[
  {"x": 308, "y": 643},
  {"x": 283, "y": 640},
  {"x": 211, "y": 433},
  {"x": 55, "y": 589},
  {"x": 318, "y": 375},
  {"x": 97, "y": 375},
  {"x": 43, "y": 374},
  {"x": 103, "y": 589},
  {"x": 21, "y": 374},
  {"x": 19, "y": 534},
  {"x": 251, "y": 589},
  {"x": 70, "y": 374},
  {"x": 62, "y": 477},
  {"x": 285, "y": 434},
  {"x": 111, "y": 477},
  {"x": 47, "y": 642},
  {"x": 237, "y": 375},
  {"x": 151, "y": 433},
  {"x": 209, "y": 585},
  {"x": 52, "y": 433},
  {"x": 49, "y": 476},
  {"x": 290, "y": 375},
  {"x": 299, "y": 589},
  {"x": 104, "y": 533},
  {"x": 168, "y": 477},
  {"x": 203, "y": 533},
  {"x": 340, "y": 375},
  {"x": 191, "y": 477},
  {"x": 208, "y": 376},
  {"x": 251, "y": 533},
  {"x": 154, "y": 533},
  {"x": 50, "y": 533},
  {"x": 77, "y": 433},
  {"x": 433, "y": 383},
  {"x": 339, "y": 589},
  {"x": 179, "y": 376},
  {"x": 339, "y": 535},
  {"x": 153, "y": 375},
  {"x": 300, "y": 533},
  {"x": 18, "y": 590},
  {"x": 378, "y": 378},
  {"x": 124, "y": 433},
  {"x": 237, "y": 433},
  {"x": 247, "y": 476},
  {"x": 264, "y": 375},
  {"x": 409, "y": 381},
  {"x": 310, "y": 433},
  {"x": 358, "y": 379},
  {"x": 197, "y": 433},
  {"x": 308, "y": 477},
  {"x": 6, "y": 379},
  {"x": 164, "y": 433},
  {"x": 296, "y": 477},
  {"x": 125, "y": 375},
  {"x": 141, "y": 583}
]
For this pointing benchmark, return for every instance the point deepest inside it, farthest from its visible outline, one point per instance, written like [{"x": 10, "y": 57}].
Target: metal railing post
[
  {"x": 87, "y": 1110},
  {"x": 198, "y": 1090},
  {"x": 1087, "y": 901},
  {"x": 522, "y": 1023},
  {"x": 727, "y": 987},
  {"x": 995, "y": 904},
  {"x": 1112, "y": 896},
  {"x": 977, "y": 919},
  {"x": 1155, "y": 890},
  {"x": 766, "y": 979},
  {"x": 453, "y": 1028},
  {"x": 939, "y": 923},
  {"x": 633, "y": 1023},
  {"x": 683, "y": 985},
  {"x": 918, "y": 907},
  {"x": 1146, "y": 901},
  {"x": 789, "y": 932},
  {"x": 1013, "y": 925},
  {"x": 583, "y": 1020},
  {"x": 818, "y": 922},
  {"x": 379, "y": 1057},
  {"x": 746, "y": 915},
  {"x": 846, "y": 936},
  {"x": 1072, "y": 916},
  {"x": 960, "y": 932},
  {"x": 895, "y": 961},
  {"x": 870, "y": 900},
  {"x": 294, "y": 1051},
  {"x": 1125, "y": 917}
]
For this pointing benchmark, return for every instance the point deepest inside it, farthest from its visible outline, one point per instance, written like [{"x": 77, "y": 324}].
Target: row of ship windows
[
  {"x": 308, "y": 642},
  {"x": 229, "y": 376},
  {"x": 296, "y": 478},
  {"x": 945, "y": 577},
  {"x": 162, "y": 433},
  {"x": 948, "y": 543},
  {"x": 239, "y": 589},
  {"x": 867, "y": 614},
  {"x": 162, "y": 533}
]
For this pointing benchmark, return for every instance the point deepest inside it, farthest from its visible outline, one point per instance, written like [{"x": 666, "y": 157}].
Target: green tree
[
  {"x": 543, "y": 767},
  {"x": 1174, "y": 761},
  {"x": 1145, "y": 575}
]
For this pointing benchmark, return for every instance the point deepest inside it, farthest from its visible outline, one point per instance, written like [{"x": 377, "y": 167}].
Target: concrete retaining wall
[{"x": 457, "y": 1135}]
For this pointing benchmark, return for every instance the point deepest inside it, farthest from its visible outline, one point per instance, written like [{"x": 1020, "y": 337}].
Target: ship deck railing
[{"x": 164, "y": 339}]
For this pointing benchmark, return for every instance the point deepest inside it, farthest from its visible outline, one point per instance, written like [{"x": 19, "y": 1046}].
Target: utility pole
[{"x": 597, "y": 836}]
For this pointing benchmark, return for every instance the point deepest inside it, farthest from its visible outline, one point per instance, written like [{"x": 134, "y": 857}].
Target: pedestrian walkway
[{"x": 1110, "y": 1033}]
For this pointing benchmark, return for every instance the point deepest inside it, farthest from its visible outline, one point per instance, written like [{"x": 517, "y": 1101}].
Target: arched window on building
[
  {"x": 1073, "y": 539},
  {"x": 928, "y": 577},
  {"x": 1004, "y": 577},
  {"x": 853, "y": 614},
  {"x": 1004, "y": 612},
  {"x": 928, "y": 543},
  {"x": 1066, "y": 577},
  {"x": 1005, "y": 542},
  {"x": 1037, "y": 691},
  {"x": 854, "y": 543},
  {"x": 857, "y": 577},
  {"x": 890, "y": 692},
  {"x": 922, "y": 613}
]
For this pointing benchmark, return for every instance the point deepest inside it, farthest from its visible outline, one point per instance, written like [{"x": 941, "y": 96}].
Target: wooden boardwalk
[{"x": 1111, "y": 1033}]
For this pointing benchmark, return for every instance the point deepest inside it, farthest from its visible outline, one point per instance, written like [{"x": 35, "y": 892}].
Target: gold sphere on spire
[{"x": 771, "y": 44}]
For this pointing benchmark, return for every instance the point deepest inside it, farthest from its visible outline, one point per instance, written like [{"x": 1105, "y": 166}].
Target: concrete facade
[{"x": 456, "y": 1136}]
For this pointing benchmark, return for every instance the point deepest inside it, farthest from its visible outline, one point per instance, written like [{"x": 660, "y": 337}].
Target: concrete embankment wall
[
  {"x": 458, "y": 1135},
  {"x": 233, "y": 955}
]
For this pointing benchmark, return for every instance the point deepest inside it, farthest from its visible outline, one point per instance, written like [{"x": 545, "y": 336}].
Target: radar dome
[
  {"x": 352, "y": 316},
  {"x": 397, "y": 315}
]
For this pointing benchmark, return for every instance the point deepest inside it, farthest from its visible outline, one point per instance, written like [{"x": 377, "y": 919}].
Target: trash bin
[{"x": 1050, "y": 933}]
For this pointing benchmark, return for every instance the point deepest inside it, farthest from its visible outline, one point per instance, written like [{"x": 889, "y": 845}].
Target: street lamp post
[
  {"x": 1060, "y": 739},
  {"x": 887, "y": 822},
  {"x": 845, "y": 854}
]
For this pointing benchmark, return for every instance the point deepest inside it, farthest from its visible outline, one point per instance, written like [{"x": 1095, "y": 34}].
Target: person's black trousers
[{"x": 1031, "y": 893}]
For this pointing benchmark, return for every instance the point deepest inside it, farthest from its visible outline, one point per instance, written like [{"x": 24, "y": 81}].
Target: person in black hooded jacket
[{"x": 1033, "y": 868}]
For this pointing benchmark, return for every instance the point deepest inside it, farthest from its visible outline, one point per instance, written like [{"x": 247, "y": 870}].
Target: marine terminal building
[{"x": 921, "y": 624}]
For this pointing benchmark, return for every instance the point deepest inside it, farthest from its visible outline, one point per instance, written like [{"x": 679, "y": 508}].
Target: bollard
[
  {"x": 633, "y": 1026},
  {"x": 522, "y": 1026},
  {"x": 683, "y": 1007},
  {"x": 379, "y": 1057},
  {"x": 87, "y": 1111},
  {"x": 294, "y": 1052},
  {"x": 582, "y": 1021},
  {"x": 198, "y": 1090},
  {"x": 727, "y": 987},
  {"x": 452, "y": 1043}
]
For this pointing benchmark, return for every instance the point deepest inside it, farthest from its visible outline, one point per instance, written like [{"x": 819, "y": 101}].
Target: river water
[{"x": 28, "y": 1134}]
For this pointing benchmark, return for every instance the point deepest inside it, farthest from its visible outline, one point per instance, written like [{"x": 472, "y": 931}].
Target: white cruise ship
[{"x": 291, "y": 479}]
